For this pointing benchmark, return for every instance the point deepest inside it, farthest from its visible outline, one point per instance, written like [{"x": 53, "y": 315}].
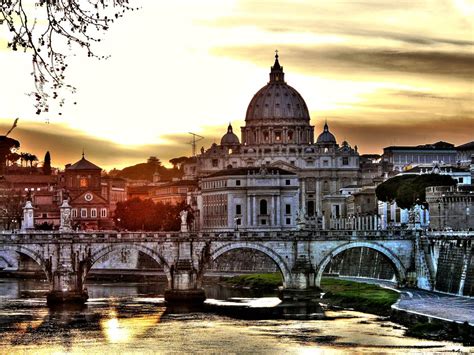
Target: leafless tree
[{"x": 49, "y": 29}]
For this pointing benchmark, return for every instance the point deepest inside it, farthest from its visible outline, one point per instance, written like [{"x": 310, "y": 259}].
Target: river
[{"x": 122, "y": 318}]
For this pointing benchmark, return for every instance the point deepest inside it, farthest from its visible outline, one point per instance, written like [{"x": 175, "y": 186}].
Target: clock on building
[{"x": 88, "y": 197}]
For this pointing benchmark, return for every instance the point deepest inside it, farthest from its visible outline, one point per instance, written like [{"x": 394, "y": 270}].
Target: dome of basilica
[
  {"x": 277, "y": 100},
  {"x": 230, "y": 138}
]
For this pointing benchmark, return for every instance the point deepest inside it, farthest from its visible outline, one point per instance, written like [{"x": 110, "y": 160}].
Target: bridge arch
[
  {"x": 100, "y": 253},
  {"x": 36, "y": 257},
  {"x": 277, "y": 259},
  {"x": 398, "y": 267}
]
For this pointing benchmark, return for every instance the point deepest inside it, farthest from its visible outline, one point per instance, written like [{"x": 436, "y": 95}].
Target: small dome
[
  {"x": 230, "y": 138},
  {"x": 326, "y": 137}
]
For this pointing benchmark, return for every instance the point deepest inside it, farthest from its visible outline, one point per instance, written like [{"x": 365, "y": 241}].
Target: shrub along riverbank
[
  {"x": 359, "y": 296},
  {"x": 348, "y": 294},
  {"x": 268, "y": 281},
  {"x": 367, "y": 298}
]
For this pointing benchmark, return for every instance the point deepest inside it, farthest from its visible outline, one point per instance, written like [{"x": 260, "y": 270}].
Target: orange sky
[{"x": 381, "y": 73}]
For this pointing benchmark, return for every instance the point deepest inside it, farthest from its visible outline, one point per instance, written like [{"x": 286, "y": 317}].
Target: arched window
[{"x": 263, "y": 207}]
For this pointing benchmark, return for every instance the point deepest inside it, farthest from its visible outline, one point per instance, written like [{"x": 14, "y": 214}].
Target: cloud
[
  {"x": 371, "y": 137},
  {"x": 333, "y": 59},
  {"x": 66, "y": 145}
]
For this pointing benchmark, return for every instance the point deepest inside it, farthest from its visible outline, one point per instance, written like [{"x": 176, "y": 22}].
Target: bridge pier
[
  {"x": 301, "y": 286},
  {"x": 66, "y": 287},
  {"x": 184, "y": 284}
]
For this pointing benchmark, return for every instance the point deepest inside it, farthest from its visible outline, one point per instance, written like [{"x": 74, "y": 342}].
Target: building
[
  {"x": 250, "y": 199},
  {"x": 464, "y": 153},
  {"x": 461, "y": 175},
  {"x": 451, "y": 207},
  {"x": 173, "y": 192},
  {"x": 278, "y": 134},
  {"x": 398, "y": 157},
  {"x": 83, "y": 184}
]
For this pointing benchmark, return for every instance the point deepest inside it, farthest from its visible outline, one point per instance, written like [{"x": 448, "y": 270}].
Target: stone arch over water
[
  {"x": 395, "y": 262},
  {"x": 96, "y": 255},
  {"x": 277, "y": 259},
  {"x": 37, "y": 258}
]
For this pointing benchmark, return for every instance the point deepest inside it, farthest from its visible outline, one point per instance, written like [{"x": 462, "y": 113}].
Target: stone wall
[
  {"x": 361, "y": 262},
  {"x": 244, "y": 260},
  {"x": 455, "y": 267}
]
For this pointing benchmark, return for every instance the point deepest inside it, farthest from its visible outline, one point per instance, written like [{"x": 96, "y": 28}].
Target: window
[
  {"x": 287, "y": 182},
  {"x": 103, "y": 212},
  {"x": 83, "y": 212},
  {"x": 263, "y": 207},
  {"x": 238, "y": 221},
  {"x": 290, "y": 135},
  {"x": 237, "y": 182},
  {"x": 345, "y": 160},
  {"x": 310, "y": 208},
  {"x": 215, "y": 163},
  {"x": 93, "y": 212},
  {"x": 265, "y": 136},
  {"x": 325, "y": 162},
  {"x": 288, "y": 221},
  {"x": 238, "y": 209},
  {"x": 278, "y": 136},
  {"x": 263, "y": 222},
  {"x": 44, "y": 215},
  {"x": 288, "y": 209},
  {"x": 83, "y": 182},
  {"x": 74, "y": 213}
]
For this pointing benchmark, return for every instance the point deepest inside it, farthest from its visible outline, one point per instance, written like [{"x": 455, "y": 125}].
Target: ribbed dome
[
  {"x": 326, "y": 137},
  {"x": 230, "y": 138},
  {"x": 277, "y": 100}
]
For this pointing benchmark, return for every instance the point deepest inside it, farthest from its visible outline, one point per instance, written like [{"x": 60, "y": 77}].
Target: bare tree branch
[{"x": 49, "y": 29}]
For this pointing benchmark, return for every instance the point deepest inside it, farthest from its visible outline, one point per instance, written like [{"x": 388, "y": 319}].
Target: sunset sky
[{"x": 381, "y": 72}]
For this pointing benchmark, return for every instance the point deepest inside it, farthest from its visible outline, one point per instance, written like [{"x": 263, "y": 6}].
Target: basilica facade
[{"x": 277, "y": 135}]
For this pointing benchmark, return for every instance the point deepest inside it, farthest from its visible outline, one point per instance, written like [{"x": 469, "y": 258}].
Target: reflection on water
[{"x": 132, "y": 318}]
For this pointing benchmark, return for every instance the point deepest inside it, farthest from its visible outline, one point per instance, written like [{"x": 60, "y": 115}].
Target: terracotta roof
[
  {"x": 83, "y": 164},
  {"x": 434, "y": 146},
  {"x": 466, "y": 146},
  {"x": 36, "y": 179}
]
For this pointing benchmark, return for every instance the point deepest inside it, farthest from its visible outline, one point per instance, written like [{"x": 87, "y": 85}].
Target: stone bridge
[{"x": 302, "y": 257}]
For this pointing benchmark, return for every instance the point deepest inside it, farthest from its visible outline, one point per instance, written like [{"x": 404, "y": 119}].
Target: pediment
[
  {"x": 284, "y": 165},
  {"x": 89, "y": 197}
]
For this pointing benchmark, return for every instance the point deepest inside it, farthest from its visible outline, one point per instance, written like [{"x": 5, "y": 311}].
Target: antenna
[
  {"x": 13, "y": 127},
  {"x": 196, "y": 138}
]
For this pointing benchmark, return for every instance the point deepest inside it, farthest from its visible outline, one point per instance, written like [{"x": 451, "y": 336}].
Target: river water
[{"x": 122, "y": 318}]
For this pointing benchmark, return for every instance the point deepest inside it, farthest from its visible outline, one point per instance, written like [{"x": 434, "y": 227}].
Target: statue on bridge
[
  {"x": 65, "y": 223},
  {"x": 301, "y": 218}
]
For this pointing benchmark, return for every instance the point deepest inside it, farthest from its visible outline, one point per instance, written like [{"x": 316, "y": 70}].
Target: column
[
  {"x": 254, "y": 210},
  {"x": 278, "y": 210},
  {"x": 249, "y": 213}
]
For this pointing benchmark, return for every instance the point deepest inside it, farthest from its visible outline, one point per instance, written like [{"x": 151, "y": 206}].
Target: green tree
[
  {"x": 408, "y": 190},
  {"x": 7, "y": 146},
  {"x": 47, "y": 164}
]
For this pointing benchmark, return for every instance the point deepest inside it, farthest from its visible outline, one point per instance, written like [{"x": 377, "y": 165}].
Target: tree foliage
[
  {"x": 145, "y": 171},
  {"x": 11, "y": 207},
  {"x": 408, "y": 190},
  {"x": 47, "y": 164},
  {"x": 7, "y": 146},
  {"x": 49, "y": 29},
  {"x": 136, "y": 214}
]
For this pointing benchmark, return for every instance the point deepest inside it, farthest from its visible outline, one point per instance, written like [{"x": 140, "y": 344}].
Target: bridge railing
[{"x": 108, "y": 236}]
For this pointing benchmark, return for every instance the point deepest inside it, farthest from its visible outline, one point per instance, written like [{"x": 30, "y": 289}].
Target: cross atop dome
[{"x": 276, "y": 73}]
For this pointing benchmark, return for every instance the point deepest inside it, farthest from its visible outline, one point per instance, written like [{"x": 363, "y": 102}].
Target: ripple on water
[{"x": 138, "y": 323}]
